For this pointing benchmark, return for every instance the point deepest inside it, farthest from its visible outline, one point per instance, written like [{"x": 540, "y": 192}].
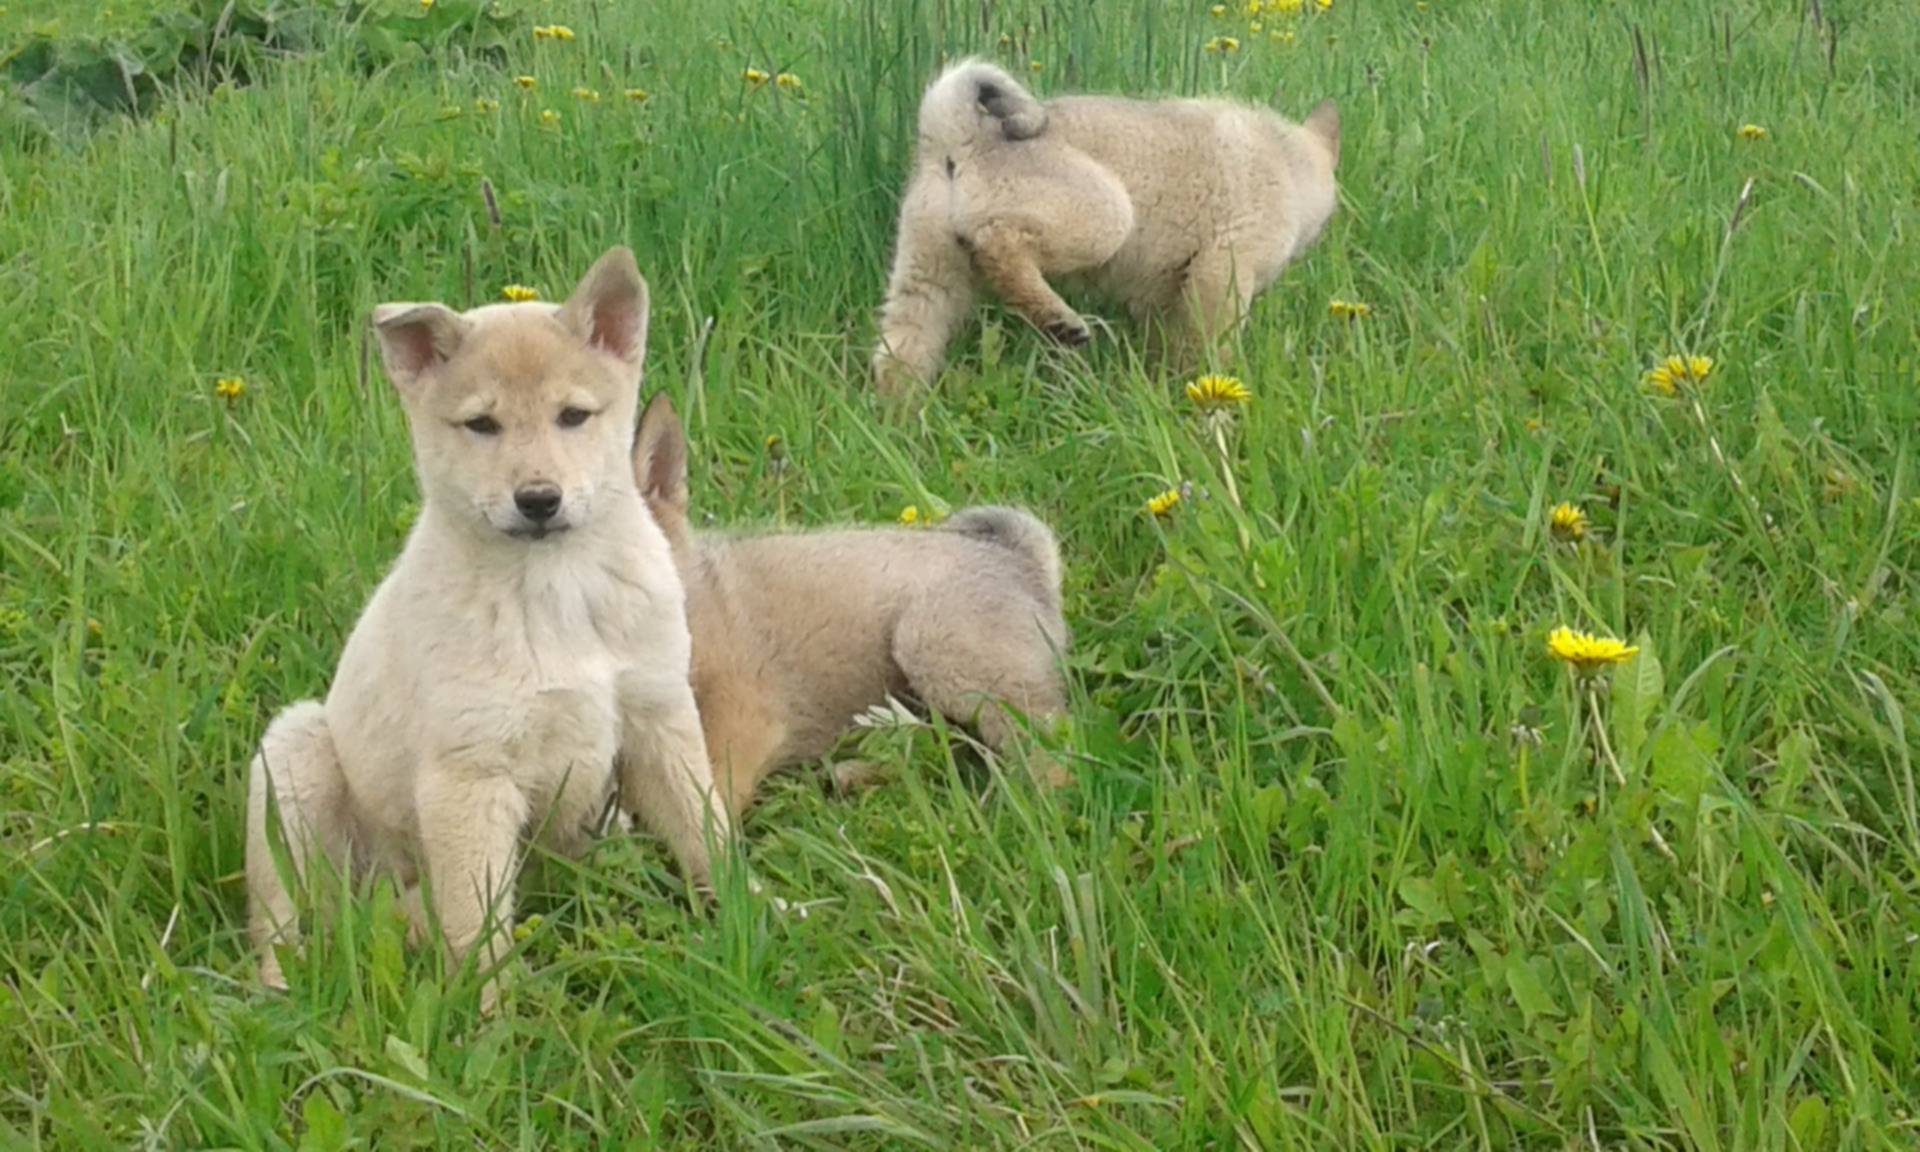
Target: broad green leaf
[
  {"x": 1425, "y": 906},
  {"x": 1637, "y": 687},
  {"x": 1529, "y": 991},
  {"x": 826, "y": 1027},
  {"x": 408, "y": 1059},
  {"x": 326, "y": 1129},
  {"x": 1808, "y": 1123}
]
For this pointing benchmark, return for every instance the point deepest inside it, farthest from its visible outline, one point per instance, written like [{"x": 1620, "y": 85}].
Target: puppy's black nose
[{"x": 537, "y": 502}]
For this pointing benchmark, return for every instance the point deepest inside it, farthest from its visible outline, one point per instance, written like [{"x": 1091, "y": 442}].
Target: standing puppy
[
  {"x": 531, "y": 636},
  {"x": 795, "y": 634},
  {"x": 1183, "y": 208}
]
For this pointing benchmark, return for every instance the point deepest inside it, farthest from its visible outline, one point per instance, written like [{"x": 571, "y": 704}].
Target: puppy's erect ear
[
  {"x": 609, "y": 308},
  {"x": 1324, "y": 122},
  {"x": 415, "y": 339},
  {"x": 660, "y": 455}
]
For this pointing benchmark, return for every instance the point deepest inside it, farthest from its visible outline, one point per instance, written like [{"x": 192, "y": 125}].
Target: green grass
[{"x": 1319, "y": 887}]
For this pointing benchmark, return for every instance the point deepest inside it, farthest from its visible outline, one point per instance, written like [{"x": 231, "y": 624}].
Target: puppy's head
[
  {"x": 660, "y": 467},
  {"x": 1315, "y": 151},
  {"x": 521, "y": 412}
]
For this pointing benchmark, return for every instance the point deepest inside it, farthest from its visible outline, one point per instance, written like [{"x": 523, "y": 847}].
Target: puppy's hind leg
[
  {"x": 1007, "y": 256},
  {"x": 928, "y": 295},
  {"x": 1217, "y": 296},
  {"x": 971, "y": 657},
  {"x": 296, "y": 775}
]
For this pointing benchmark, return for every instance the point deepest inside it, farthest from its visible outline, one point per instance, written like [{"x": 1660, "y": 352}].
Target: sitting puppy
[
  {"x": 795, "y": 634},
  {"x": 1180, "y": 207},
  {"x": 531, "y": 637}
]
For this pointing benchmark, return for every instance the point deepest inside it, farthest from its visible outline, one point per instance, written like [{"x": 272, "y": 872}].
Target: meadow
[{"x": 1354, "y": 861}]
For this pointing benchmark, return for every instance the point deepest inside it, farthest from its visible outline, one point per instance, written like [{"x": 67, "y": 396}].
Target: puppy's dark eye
[
  {"x": 574, "y": 417},
  {"x": 483, "y": 425}
]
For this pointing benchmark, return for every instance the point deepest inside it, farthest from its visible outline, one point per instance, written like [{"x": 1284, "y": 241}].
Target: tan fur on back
[
  {"x": 795, "y": 634},
  {"x": 1177, "y": 209}
]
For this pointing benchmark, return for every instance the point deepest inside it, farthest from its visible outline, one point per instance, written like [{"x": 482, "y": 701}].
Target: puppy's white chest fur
[
  {"x": 573, "y": 622},
  {"x": 476, "y": 667}
]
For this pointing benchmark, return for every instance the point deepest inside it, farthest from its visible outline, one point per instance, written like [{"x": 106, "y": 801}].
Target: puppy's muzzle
[{"x": 537, "y": 504}]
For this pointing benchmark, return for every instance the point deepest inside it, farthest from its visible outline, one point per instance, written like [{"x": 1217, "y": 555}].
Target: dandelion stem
[
  {"x": 1226, "y": 461},
  {"x": 1233, "y": 489},
  {"x": 1620, "y": 777},
  {"x": 1750, "y": 504},
  {"x": 1600, "y": 736},
  {"x": 1526, "y": 803}
]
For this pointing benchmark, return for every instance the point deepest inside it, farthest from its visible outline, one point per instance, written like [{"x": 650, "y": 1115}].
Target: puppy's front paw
[
  {"x": 1049, "y": 773},
  {"x": 1072, "y": 332},
  {"x": 271, "y": 977},
  {"x": 892, "y": 379},
  {"x": 854, "y": 776}
]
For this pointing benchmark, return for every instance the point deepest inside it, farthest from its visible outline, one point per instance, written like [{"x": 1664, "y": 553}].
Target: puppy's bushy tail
[
  {"x": 1025, "y": 535},
  {"x": 974, "y": 103}
]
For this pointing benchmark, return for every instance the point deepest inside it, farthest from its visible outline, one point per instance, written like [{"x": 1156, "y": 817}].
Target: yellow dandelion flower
[
  {"x": 527, "y": 83},
  {"x": 426, "y": 5},
  {"x": 787, "y": 82},
  {"x": 1216, "y": 392},
  {"x": 1285, "y": 7},
  {"x": 1006, "y": 40},
  {"x": 1420, "y": 5},
  {"x": 586, "y": 94},
  {"x": 1035, "y": 66},
  {"x": 1218, "y": 11},
  {"x": 1255, "y": 28},
  {"x": 485, "y": 105},
  {"x": 1222, "y": 45},
  {"x": 1567, "y": 523},
  {"x": 1676, "y": 372},
  {"x": 1752, "y": 132},
  {"x": 519, "y": 293},
  {"x": 549, "y": 118},
  {"x": 639, "y": 95},
  {"x": 754, "y": 77},
  {"x": 1350, "y": 309},
  {"x": 230, "y": 388},
  {"x": 1253, "y": 7},
  {"x": 552, "y": 32},
  {"x": 1323, "y": 5},
  {"x": 910, "y": 515},
  {"x": 1280, "y": 37},
  {"x": 1162, "y": 506},
  {"x": 1585, "y": 652}
]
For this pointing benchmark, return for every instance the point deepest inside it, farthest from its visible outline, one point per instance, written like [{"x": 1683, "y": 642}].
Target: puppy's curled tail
[
  {"x": 1024, "y": 534},
  {"x": 974, "y": 103}
]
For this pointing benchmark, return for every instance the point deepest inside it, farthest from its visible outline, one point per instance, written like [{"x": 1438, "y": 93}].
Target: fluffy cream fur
[
  {"x": 794, "y": 634},
  {"x": 1183, "y": 209},
  {"x": 531, "y": 637}
]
